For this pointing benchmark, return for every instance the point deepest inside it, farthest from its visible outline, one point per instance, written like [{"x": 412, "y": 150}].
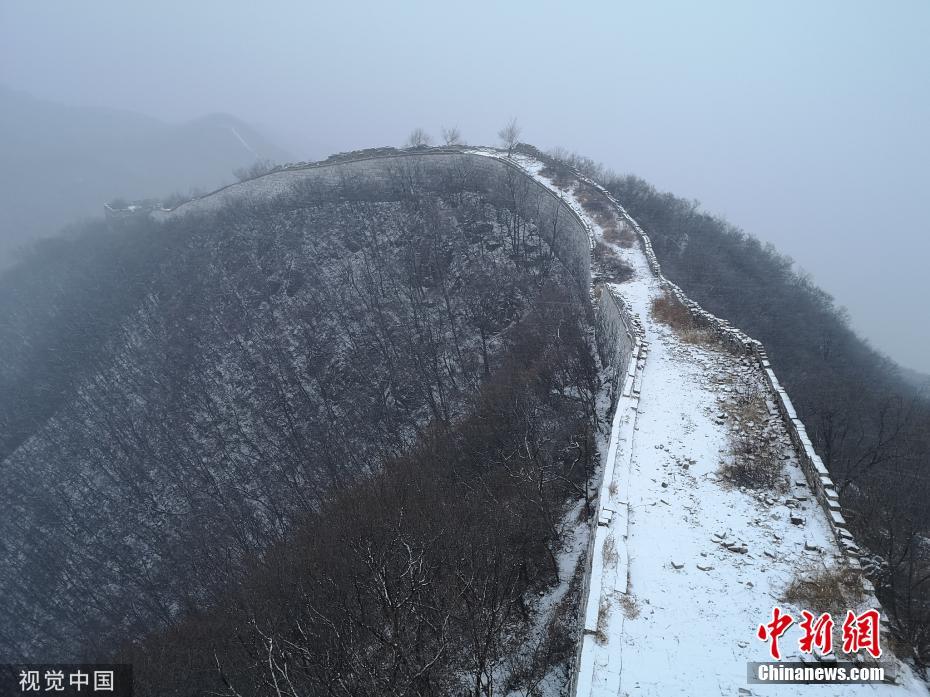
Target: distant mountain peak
[{"x": 62, "y": 162}]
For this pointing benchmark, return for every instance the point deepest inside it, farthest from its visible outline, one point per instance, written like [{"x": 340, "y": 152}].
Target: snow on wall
[
  {"x": 814, "y": 470},
  {"x": 392, "y": 172},
  {"x": 621, "y": 344},
  {"x": 597, "y": 669},
  {"x": 616, "y": 333}
]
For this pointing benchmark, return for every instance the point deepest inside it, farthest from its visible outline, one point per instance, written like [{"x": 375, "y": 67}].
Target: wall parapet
[
  {"x": 816, "y": 473},
  {"x": 617, "y": 332},
  {"x": 622, "y": 347},
  {"x": 392, "y": 172}
]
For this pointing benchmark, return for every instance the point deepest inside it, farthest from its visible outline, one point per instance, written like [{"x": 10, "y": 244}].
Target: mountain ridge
[{"x": 252, "y": 241}]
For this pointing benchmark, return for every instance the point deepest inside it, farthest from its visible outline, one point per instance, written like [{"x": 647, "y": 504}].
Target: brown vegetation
[
  {"x": 596, "y": 205},
  {"x": 667, "y": 310},
  {"x": 620, "y": 236},
  {"x": 753, "y": 466},
  {"x": 630, "y": 606},
  {"x": 603, "y": 617},
  {"x": 562, "y": 177},
  {"x": 755, "y": 463},
  {"x": 833, "y": 589},
  {"x": 612, "y": 266},
  {"x": 611, "y": 555}
]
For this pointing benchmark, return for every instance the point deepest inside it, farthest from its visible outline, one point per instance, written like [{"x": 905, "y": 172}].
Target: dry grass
[
  {"x": 612, "y": 266},
  {"x": 752, "y": 469},
  {"x": 833, "y": 589},
  {"x": 700, "y": 336},
  {"x": 629, "y": 605},
  {"x": 619, "y": 236},
  {"x": 603, "y": 617},
  {"x": 828, "y": 589},
  {"x": 596, "y": 205},
  {"x": 756, "y": 463},
  {"x": 667, "y": 310},
  {"x": 593, "y": 202},
  {"x": 611, "y": 556}
]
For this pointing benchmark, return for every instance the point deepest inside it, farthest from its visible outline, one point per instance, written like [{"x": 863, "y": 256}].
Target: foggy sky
[{"x": 805, "y": 123}]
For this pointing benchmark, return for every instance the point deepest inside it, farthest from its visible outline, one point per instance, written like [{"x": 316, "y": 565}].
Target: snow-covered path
[{"x": 686, "y": 564}]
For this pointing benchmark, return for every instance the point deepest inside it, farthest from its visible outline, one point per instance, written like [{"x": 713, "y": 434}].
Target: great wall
[{"x": 625, "y": 346}]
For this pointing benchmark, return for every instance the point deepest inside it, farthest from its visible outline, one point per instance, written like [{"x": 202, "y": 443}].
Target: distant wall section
[{"x": 394, "y": 175}]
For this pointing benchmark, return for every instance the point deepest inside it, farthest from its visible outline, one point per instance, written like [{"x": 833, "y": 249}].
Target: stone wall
[
  {"x": 814, "y": 470},
  {"x": 616, "y": 332},
  {"x": 621, "y": 345},
  {"x": 391, "y": 175}
]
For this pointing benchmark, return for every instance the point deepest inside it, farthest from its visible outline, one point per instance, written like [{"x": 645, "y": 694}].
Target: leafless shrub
[
  {"x": 418, "y": 138},
  {"x": 510, "y": 135},
  {"x": 756, "y": 463},
  {"x": 528, "y": 669},
  {"x": 561, "y": 627},
  {"x": 585, "y": 165},
  {"x": 452, "y": 136},
  {"x": 753, "y": 471},
  {"x": 561, "y": 176}
]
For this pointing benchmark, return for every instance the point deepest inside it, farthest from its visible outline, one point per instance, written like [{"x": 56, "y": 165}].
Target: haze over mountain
[
  {"x": 803, "y": 123},
  {"x": 62, "y": 162},
  {"x": 513, "y": 382},
  {"x": 916, "y": 378}
]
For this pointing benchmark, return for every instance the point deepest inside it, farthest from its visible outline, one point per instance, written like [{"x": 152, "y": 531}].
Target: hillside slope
[{"x": 267, "y": 359}]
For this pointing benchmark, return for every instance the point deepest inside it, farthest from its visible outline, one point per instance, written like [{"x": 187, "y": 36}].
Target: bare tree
[
  {"x": 452, "y": 136},
  {"x": 510, "y": 135},
  {"x": 418, "y": 138}
]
